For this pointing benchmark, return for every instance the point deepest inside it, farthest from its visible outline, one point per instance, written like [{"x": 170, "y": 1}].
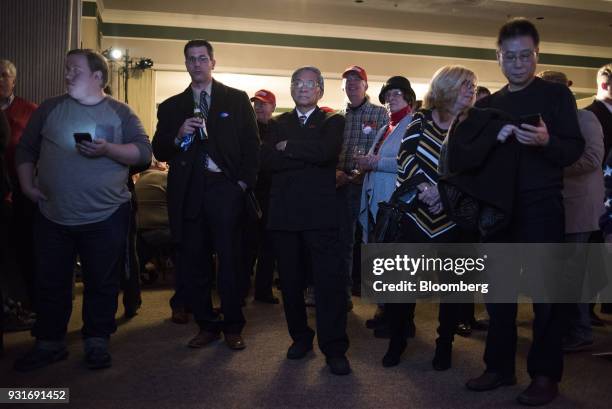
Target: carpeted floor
[{"x": 153, "y": 368}]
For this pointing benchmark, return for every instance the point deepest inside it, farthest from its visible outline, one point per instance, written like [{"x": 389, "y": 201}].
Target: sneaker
[
  {"x": 338, "y": 365},
  {"x": 39, "y": 358},
  {"x": 97, "y": 358}
]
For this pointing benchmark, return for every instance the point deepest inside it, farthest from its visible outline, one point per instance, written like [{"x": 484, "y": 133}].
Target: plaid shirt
[{"x": 360, "y": 128}]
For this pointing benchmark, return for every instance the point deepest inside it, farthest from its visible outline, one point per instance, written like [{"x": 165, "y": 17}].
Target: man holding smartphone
[
  {"x": 73, "y": 161},
  {"x": 547, "y": 145}
]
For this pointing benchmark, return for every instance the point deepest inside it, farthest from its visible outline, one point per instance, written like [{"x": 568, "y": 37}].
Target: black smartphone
[
  {"x": 531, "y": 119},
  {"x": 82, "y": 136}
]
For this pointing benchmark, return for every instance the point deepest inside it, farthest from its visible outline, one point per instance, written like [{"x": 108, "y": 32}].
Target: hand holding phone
[
  {"x": 79, "y": 137},
  {"x": 531, "y": 119}
]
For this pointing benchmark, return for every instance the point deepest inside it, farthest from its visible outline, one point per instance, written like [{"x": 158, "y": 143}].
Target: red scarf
[{"x": 394, "y": 119}]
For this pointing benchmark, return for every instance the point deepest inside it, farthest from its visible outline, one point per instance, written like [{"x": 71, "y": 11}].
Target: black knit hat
[{"x": 397, "y": 82}]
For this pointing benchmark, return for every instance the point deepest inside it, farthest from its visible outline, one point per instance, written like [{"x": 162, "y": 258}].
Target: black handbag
[{"x": 391, "y": 215}]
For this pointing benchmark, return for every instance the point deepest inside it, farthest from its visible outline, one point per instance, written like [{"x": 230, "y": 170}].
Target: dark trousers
[
  {"x": 101, "y": 247},
  {"x": 399, "y": 315},
  {"x": 23, "y": 212},
  {"x": 216, "y": 229},
  {"x": 349, "y": 199},
  {"x": 266, "y": 260},
  {"x": 535, "y": 221},
  {"x": 544, "y": 358},
  {"x": 258, "y": 248},
  {"x": 130, "y": 274},
  {"x": 330, "y": 283}
]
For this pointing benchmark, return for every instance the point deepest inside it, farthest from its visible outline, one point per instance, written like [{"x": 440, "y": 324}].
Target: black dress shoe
[
  {"x": 235, "y": 342},
  {"x": 269, "y": 299},
  {"x": 489, "y": 381},
  {"x": 39, "y": 358},
  {"x": 443, "y": 356},
  {"x": 299, "y": 349},
  {"x": 338, "y": 365},
  {"x": 98, "y": 358},
  {"x": 394, "y": 353},
  {"x": 541, "y": 391},
  {"x": 463, "y": 329}
]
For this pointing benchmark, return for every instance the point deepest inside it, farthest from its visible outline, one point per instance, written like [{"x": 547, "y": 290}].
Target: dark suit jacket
[
  {"x": 303, "y": 190},
  {"x": 605, "y": 119},
  {"x": 233, "y": 143}
]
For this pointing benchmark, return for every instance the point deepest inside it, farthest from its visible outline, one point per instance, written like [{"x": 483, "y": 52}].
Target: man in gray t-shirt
[{"x": 72, "y": 161}]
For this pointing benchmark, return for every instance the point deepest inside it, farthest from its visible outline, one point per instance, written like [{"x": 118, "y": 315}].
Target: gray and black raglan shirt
[{"x": 80, "y": 190}]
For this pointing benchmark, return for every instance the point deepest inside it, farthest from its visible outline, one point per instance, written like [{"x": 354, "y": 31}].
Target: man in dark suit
[
  {"x": 212, "y": 162},
  {"x": 302, "y": 152},
  {"x": 602, "y": 105}
]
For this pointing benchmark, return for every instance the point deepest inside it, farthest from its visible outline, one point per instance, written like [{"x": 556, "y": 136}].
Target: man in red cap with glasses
[{"x": 362, "y": 120}]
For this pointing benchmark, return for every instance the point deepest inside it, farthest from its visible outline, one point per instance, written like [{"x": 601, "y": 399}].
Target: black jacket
[
  {"x": 303, "y": 189},
  {"x": 478, "y": 192},
  {"x": 233, "y": 143}
]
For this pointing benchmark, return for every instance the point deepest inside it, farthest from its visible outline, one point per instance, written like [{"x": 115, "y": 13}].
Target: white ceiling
[{"x": 586, "y": 22}]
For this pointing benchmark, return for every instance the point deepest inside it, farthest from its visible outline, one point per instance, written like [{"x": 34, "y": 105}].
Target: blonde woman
[{"x": 451, "y": 92}]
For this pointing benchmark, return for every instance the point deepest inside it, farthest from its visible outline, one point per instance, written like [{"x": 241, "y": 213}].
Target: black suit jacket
[
  {"x": 303, "y": 188},
  {"x": 233, "y": 144},
  {"x": 605, "y": 118}
]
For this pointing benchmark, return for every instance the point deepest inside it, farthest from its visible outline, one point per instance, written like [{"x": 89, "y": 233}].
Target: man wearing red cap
[
  {"x": 363, "y": 120},
  {"x": 261, "y": 248}
]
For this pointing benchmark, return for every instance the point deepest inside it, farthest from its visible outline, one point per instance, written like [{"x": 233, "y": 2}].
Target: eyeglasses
[
  {"x": 308, "y": 84},
  {"x": 393, "y": 93},
  {"x": 511, "y": 58},
  {"x": 469, "y": 86},
  {"x": 201, "y": 59}
]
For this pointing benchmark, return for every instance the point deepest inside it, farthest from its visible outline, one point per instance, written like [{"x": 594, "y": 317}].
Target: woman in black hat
[
  {"x": 451, "y": 92},
  {"x": 380, "y": 164}
]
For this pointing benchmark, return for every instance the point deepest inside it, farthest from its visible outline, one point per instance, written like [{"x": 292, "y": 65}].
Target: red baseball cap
[
  {"x": 264, "y": 96},
  {"x": 357, "y": 70}
]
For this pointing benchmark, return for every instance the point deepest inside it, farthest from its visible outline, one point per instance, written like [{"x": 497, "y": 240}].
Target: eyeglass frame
[
  {"x": 394, "y": 93},
  {"x": 523, "y": 56},
  {"x": 299, "y": 84}
]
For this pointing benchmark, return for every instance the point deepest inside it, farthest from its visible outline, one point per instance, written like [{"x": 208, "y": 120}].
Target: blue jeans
[{"x": 101, "y": 247}]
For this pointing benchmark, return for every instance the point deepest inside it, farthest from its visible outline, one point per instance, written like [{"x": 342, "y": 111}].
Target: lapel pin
[{"x": 224, "y": 115}]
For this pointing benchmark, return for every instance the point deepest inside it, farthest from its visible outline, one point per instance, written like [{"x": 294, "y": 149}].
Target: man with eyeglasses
[
  {"x": 545, "y": 148},
  {"x": 362, "y": 121},
  {"x": 208, "y": 135},
  {"x": 302, "y": 152}
]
